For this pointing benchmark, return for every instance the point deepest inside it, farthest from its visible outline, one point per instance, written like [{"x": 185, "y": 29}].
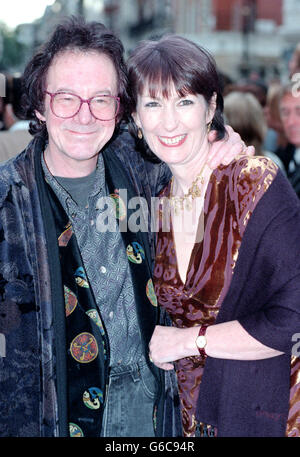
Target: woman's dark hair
[
  {"x": 174, "y": 60},
  {"x": 74, "y": 34}
]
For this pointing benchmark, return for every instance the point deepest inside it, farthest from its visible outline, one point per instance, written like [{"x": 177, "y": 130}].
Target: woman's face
[{"x": 175, "y": 128}]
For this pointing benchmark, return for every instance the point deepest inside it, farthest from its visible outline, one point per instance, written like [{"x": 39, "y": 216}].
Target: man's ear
[
  {"x": 211, "y": 109},
  {"x": 40, "y": 116}
]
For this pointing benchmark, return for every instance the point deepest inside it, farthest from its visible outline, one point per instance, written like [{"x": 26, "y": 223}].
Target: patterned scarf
[
  {"x": 86, "y": 339},
  {"x": 87, "y": 343}
]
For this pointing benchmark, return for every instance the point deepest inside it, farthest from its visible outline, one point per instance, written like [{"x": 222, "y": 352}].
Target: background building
[{"x": 245, "y": 36}]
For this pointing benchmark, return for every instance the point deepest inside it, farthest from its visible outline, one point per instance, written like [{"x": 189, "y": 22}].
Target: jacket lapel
[{"x": 136, "y": 242}]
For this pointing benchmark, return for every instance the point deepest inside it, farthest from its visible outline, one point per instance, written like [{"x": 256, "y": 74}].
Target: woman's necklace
[{"x": 185, "y": 202}]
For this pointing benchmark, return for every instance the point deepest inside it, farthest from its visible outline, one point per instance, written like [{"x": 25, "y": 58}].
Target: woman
[{"x": 227, "y": 271}]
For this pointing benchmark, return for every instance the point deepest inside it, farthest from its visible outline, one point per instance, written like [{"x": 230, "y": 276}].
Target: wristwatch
[{"x": 201, "y": 341}]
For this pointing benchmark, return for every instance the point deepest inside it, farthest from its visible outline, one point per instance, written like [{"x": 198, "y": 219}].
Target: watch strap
[{"x": 202, "y": 332}]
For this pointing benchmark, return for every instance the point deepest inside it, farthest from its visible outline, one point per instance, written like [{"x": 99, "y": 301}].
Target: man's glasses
[{"x": 102, "y": 107}]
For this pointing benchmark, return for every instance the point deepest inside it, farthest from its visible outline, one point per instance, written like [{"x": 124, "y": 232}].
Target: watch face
[{"x": 201, "y": 341}]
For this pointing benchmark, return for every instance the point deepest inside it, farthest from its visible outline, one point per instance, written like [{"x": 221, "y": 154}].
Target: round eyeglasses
[{"x": 102, "y": 107}]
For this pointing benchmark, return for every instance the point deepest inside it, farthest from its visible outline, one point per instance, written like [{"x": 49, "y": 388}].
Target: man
[
  {"x": 289, "y": 107},
  {"x": 77, "y": 305}
]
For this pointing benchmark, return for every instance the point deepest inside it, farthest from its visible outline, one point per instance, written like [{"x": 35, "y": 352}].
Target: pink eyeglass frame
[{"x": 82, "y": 100}]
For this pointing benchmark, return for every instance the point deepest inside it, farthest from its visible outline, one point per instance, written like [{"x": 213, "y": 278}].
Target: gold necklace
[{"x": 179, "y": 203}]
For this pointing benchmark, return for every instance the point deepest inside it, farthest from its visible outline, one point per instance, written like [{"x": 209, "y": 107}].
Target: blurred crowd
[
  {"x": 14, "y": 135},
  {"x": 266, "y": 115}
]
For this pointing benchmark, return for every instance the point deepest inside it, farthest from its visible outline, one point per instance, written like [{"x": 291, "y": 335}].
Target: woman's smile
[
  {"x": 175, "y": 127},
  {"x": 172, "y": 141}
]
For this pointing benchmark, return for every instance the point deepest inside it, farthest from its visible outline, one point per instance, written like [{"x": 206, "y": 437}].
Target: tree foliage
[{"x": 11, "y": 50}]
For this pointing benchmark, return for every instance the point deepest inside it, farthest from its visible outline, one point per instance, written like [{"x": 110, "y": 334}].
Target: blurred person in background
[
  {"x": 255, "y": 87},
  {"x": 294, "y": 62},
  {"x": 245, "y": 115},
  {"x": 13, "y": 105},
  {"x": 289, "y": 106},
  {"x": 275, "y": 137},
  {"x": 2, "y": 126},
  {"x": 15, "y": 135}
]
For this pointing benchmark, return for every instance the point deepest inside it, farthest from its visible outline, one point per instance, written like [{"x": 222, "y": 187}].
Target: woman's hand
[
  {"x": 228, "y": 340},
  {"x": 224, "y": 151},
  {"x": 171, "y": 343}
]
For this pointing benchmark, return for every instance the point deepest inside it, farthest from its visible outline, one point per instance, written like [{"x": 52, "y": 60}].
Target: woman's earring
[
  {"x": 208, "y": 127},
  {"x": 140, "y": 134}
]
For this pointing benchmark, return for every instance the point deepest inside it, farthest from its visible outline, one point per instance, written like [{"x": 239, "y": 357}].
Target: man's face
[
  {"x": 74, "y": 143},
  {"x": 290, "y": 116}
]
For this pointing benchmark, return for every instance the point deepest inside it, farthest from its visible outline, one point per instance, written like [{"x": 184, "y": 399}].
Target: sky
[{"x": 19, "y": 11}]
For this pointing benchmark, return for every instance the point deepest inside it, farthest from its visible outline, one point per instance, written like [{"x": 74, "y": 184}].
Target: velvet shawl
[{"x": 264, "y": 296}]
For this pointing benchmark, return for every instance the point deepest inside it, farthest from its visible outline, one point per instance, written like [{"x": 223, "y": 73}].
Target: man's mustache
[{"x": 79, "y": 129}]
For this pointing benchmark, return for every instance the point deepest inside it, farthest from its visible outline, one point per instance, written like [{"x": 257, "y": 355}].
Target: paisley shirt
[{"x": 231, "y": 197}]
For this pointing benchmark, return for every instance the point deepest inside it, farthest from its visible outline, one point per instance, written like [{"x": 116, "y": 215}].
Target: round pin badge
[
  {"x": 135, "y": 252},
  {"x": 75, "y": 431},
  {"x": 84, "y": 348},
  {"x": 65, "y": 237},
  {"x": 151, "y": 293},
  {"x": 119, "y": 206},
  {"x": 94, "y": 315},
  {"x": 80, "y": 278},
  {"x": 70, "y": 301},
  {"x": 92, "y": 397}
]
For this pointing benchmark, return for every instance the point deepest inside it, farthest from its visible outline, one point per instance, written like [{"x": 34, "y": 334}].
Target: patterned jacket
[{"x": 32, "y": 378}]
